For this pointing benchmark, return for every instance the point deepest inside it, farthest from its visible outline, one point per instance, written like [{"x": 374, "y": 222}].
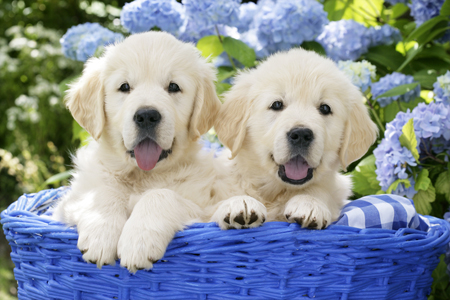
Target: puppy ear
[
  {"x": 85, "y": 99},
  {"x": 231, "y": 124},
  {"x": 206, "y": 105},
  {"x": 359, "y": 134}
]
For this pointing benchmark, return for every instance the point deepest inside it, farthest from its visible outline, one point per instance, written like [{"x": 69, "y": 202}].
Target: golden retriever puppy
[
  {"x": 145, "y": 102},
  {"x": 291, "y": 124}
]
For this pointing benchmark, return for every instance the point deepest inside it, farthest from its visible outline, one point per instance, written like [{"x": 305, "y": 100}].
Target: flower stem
[
  {"x": 399, "y": 105},
  {"x": 220, "y": 40},
  {"x": 375, "y": 115},
  {"x": 429, "y": 155}
]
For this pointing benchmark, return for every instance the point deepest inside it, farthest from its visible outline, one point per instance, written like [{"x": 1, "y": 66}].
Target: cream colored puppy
[
  {"x": 145, "y": 102},
  {"x": 291, "y": 124}
]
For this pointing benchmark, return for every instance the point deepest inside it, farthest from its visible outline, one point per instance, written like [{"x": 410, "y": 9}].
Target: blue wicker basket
[{"x": 276, "y": 261}]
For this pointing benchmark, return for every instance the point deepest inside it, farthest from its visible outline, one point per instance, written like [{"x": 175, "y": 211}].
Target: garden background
[{"x": 396, "y": 51}]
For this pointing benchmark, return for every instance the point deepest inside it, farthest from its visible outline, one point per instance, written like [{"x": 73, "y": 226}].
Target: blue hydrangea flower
[
  {"x": 390, "y": 81},
  {"x": 208, "y": 13},
  {"x": 142, "y": 15},
  {"x": 360, "y": 73},
  {"x": 80, "y": 42},
  {"x": 247, "y": 12},
  {"x": 432, "y": 129},
  {"x": 286, "y": 23},
  {"x": 344, "y": 40},
  {"x": 211, "y": 142},
  {"x": 423, "y": 10},
  {"x": 442, "y": 89},
  {"x": 383, "y": 35}
]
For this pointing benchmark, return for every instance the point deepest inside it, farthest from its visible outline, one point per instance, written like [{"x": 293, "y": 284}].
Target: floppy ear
[
  {"x": 359, "y": 134},
  {"x": 85, "y": 99},
  {"x": 231, "y": 124},
  {"x": 206, "y": 106}
]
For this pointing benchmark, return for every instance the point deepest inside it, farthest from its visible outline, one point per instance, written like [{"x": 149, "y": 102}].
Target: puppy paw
[
  {"x": 240, "y": 212},
  {"x": 308, "y": 212},
  {"x": 140, "y": 247},
  {"x": 99, "y": 245}
]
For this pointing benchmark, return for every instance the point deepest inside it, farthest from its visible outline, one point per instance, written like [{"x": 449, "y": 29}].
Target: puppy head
[
  {"x": 147, "y": 98},
  {"x": 296, "y": 117}
]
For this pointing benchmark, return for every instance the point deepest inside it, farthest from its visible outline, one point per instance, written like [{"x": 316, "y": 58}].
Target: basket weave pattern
[{"x": 276, "y": 261}]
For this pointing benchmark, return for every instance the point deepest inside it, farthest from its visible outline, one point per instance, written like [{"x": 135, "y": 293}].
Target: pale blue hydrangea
[
  {"x": 383, "y": 35},
  {"x": 143, "y": 15},
  {"x": 210, "y": 142},
  {"x": 80, "y": 42},
  {"x": 432, "y": 129},
  {"x": 423, "y": 10},
  {"x": 442, "y": 89},
  {"x": 390, "y": 81},
  {"x": 344, "y": 40},
  {"x": 208, "y": 13},
  {"x": 283, "y": 24},
  {"x": 247, "y": 12},
  {"x": 360, "y": 73}
]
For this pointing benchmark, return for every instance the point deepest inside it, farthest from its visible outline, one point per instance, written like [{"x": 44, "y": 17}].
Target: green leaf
[
  {"x": 423, "y": 199},
  {"x": 210, "y": 46},
  {"x": 443, "y": 184},
  {"x": 408, "y": 139},
  {"x": 240, "y": 51},
  {"x": 426, "y": 78},
  {"x": 440, "y": 278},
  {"x": 222, "y": 88},
  {"x": 395, "y": 184},
  {"x": 391, "y": 111},
  {"x": 224, "y": 73},
  {"x": 423, "y": 30},
  {"x": 79, "y": 133},
  {"x": 409, "y": 57},
  {"x": 422, "y": 180},
  {"x": 386, "y": 56},
  {"x": 336, "y": 9},
  {"x": 314, "y": 46},
  {"x": 445, "y": 9},
  {"x": 364, "y": 177},
  {"x": 398, "y": 10},
  {"x": 58, "y": 177},
  {"x": 399, "y": 90}
]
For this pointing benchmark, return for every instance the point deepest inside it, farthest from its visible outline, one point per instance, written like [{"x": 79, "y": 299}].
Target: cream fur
[
  {"x": 256, "y": 135},
  {"x": 119, "y": 209}
]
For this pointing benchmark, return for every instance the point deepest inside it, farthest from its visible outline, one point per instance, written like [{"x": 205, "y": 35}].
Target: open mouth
[
  {"x": 148, "y": 153},
  {"x": 295, "y": 171}
]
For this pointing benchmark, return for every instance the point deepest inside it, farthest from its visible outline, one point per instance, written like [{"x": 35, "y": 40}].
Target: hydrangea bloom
[
  {"x": 383, "y": 35},
  {"x": 286, "y": 23},
  {"x": 360, "y": 73},
  {"x": 423, "y": 10},
  {"x": 208, "y": 13},
  {"x": 344, "y": 40},
  {"x": 390, "y": 81},
  {"x": 211, "y": 142},
  {"x": 442, "y": 89},
  {"x": 80, "y": 42},
  {"x": 247, "y": 12},
  {"x": 142, "y": 15},
  {"x": 432, "y": 129}
]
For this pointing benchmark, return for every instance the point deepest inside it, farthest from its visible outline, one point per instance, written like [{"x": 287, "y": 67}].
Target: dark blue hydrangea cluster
[
  {"x": 393, "y": 161},
  {"x": 390, "y": 81},
  {"x": 442, "y": 89},
  {"x": 142, "y": 15},
  {"x": 383, "y": 35},
  {"x": 423, "y": 10},
  {"x": 80, "y": 42}
]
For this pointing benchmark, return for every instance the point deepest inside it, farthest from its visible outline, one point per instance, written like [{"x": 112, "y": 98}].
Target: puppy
[
  {"x": 290, "y": 124},
  {"x": 145, "y": 102}
]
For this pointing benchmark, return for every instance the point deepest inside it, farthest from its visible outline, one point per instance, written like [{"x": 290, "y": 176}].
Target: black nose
[
  {"x": 300, "y": 137},
  {"x": 147, "y": 118}
]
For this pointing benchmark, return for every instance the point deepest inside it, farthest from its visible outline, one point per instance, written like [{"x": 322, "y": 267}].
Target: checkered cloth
[{"x": 382, "y": 211}]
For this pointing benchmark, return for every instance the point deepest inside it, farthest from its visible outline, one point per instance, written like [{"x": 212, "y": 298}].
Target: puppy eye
[
  {"x": 277, "y": 105},
  {"x": 174, "y": 88},
  {"x": 125, "y": 87},
  {"x": 325, "y": 109}
]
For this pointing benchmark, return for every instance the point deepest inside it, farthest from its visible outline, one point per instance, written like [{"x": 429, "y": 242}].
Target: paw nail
[
  {"x": 263, "y": 219},
  {"x": 313, "y": 224},
  {"x": 299, "y": 220},
  {"x": 253, "y": 218},
  {"x": 324, "y": 224},
  {"x": 287, "y": 216},
  {"x": 240, "y": 219},
  {"x": 84, "y": 251},
  {"x": 227, "y": 219}
]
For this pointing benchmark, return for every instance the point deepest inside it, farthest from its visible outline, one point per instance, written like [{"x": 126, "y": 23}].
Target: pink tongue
[
  {"x": 296, "y": 168},
  {"x": 147, "y": 154}
]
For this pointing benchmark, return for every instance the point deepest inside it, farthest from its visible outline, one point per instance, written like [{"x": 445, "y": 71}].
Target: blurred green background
[{"x": 36, "y": 136}]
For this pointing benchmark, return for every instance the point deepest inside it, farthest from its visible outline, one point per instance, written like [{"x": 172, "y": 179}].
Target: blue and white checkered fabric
[{"x": 382, "y": 211}]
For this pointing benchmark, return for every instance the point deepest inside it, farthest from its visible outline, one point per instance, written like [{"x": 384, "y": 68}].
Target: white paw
[
  {"x": 240, "y": 212},
  {"x": 308, "y": 211},
  {"x": 140, "y": 246},
  {"x": 98, "y": 243}
]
